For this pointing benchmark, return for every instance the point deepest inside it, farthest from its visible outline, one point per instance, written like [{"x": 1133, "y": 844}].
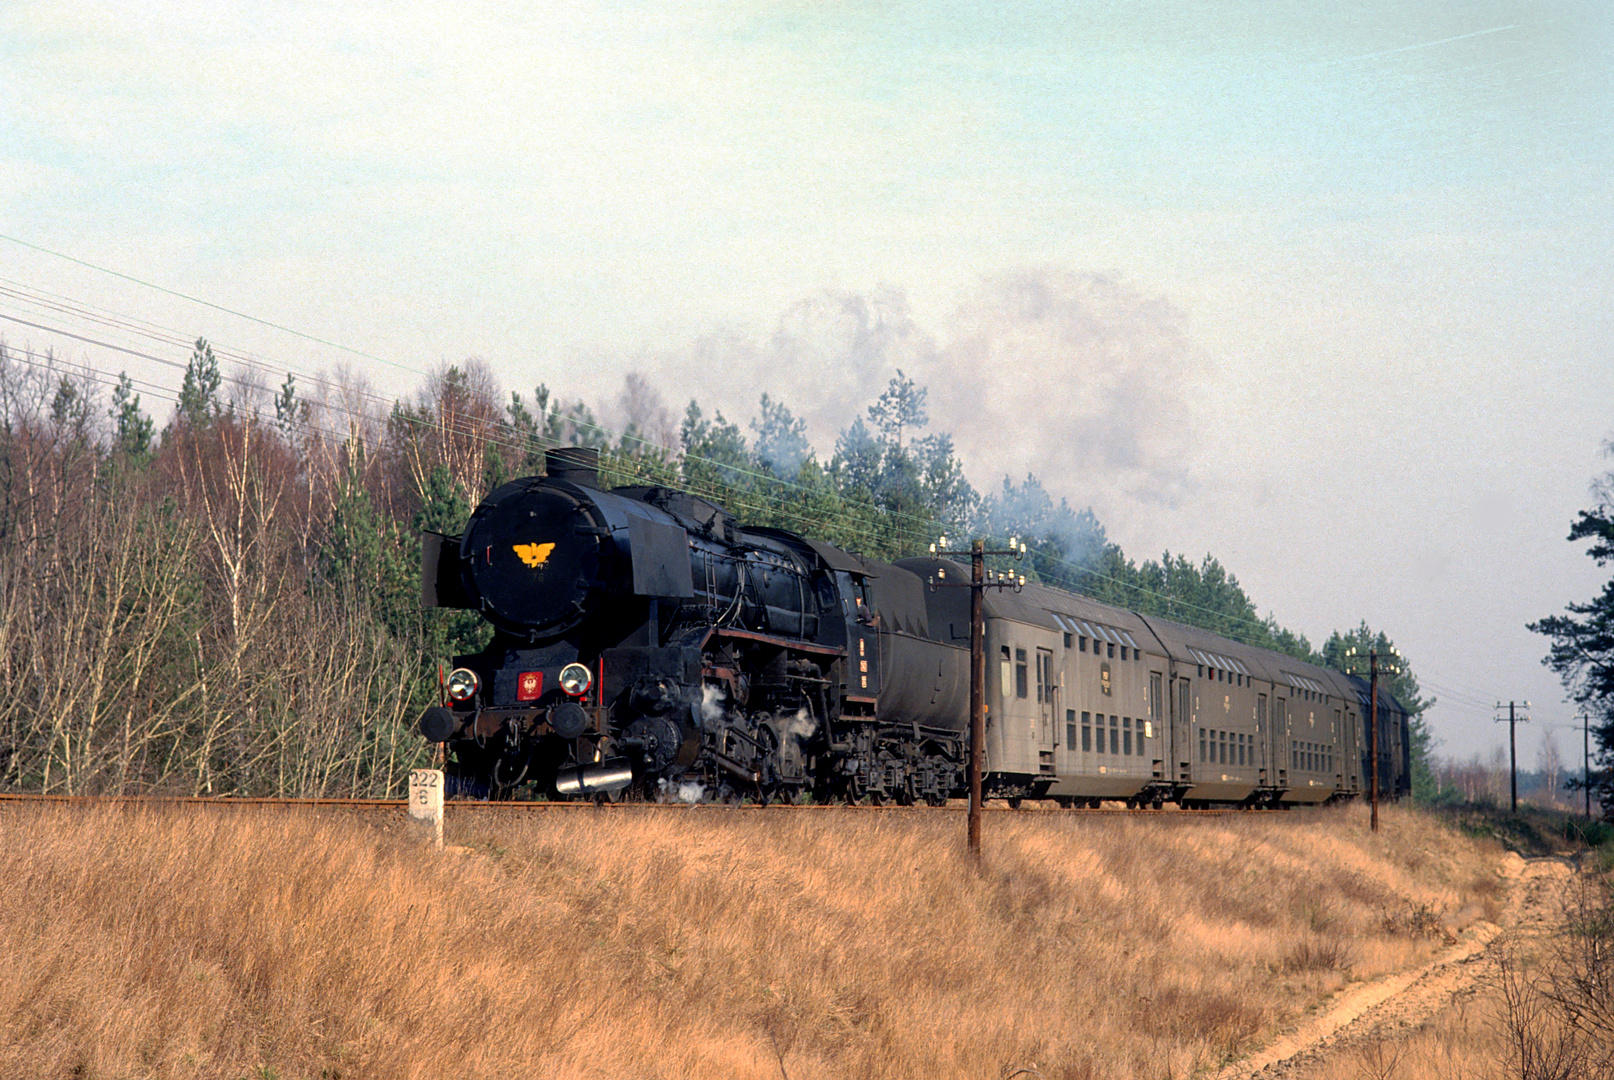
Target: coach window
[
  {"x": 1081, "y": 644},
  {"x": 1115, "y": 734},
  {"x": 1099, "y": 724},
  {"x": 1126, "y": 735},
  {"x": 1021, "y": 687},
  {"x": 1201, "y": 746},
  {"x": 1067, "y": 641},
  {"x": 1087, "y": 733},
  {"x": 1070, "y": 729},
  {"x": 1123, "y": 652}
]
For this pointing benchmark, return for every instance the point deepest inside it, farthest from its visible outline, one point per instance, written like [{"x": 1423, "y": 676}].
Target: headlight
[
  {"x": 462, "y": 684},
  {"x": 575, "y": 679}
]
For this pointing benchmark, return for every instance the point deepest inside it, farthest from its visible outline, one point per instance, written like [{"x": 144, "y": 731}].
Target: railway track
[{"x": 481, "y": 806}]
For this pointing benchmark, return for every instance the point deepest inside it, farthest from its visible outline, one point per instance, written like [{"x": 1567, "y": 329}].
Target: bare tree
[{"x": 1551, "y": 766}]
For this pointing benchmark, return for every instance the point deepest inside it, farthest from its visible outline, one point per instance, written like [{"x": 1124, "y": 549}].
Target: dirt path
[{"x": 1368, "y": 1011}]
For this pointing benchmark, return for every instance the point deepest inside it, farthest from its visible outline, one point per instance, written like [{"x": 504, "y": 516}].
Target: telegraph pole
[
  {"x": 1373, "y": 695},
  {"x": 977, "y": 689},
  {"x": 1514, "y": 720},
  {"x": 979, "y": 582},
  {"x": 1373, "y": 712},
  {"x": 1586, "y": 749}
]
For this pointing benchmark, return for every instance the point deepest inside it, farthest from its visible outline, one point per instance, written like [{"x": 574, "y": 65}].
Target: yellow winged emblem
[{"x": 534, "y": 555}]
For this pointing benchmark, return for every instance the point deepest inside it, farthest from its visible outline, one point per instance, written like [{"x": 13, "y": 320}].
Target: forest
[{"x": 230, "y": 604}]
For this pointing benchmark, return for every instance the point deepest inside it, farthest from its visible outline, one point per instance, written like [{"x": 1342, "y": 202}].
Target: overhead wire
[
  {"x": 506, "y": 437},
  {"x": 504, "y": 434},
  {"x": 601, "y": 429},
  {"x": 497, "y": 433},
  {"x": 731, "y": 498},
  {"x": 204, "y": 303}
]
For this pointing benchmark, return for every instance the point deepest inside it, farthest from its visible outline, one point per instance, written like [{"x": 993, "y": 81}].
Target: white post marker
[{"x": 426, "y": 802}]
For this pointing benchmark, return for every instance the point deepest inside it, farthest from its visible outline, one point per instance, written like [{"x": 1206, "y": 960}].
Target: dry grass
[
  {"x": 661, "y": 943},
  {"x": 1541, "y": 1007}
]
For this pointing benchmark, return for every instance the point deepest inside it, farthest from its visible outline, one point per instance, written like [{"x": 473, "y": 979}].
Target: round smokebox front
[{"x": 533, "y": 552}]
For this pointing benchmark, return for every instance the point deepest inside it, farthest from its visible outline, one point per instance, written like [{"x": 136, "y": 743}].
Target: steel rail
[{"x": 24, "y": 798}]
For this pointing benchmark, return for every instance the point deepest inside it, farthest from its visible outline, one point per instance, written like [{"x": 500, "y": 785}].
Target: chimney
[{"x": 578, "y": 464}]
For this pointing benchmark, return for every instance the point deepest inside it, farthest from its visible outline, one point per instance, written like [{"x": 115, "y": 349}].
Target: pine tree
[
  {"x": 131, "y": 429},
  {"x": 199, "y": 393},
  {"x": 1583, "y": 640}
]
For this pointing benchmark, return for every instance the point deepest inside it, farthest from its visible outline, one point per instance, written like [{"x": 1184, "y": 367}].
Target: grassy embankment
[
  {"x": 1540, "y": 1005},
  {"x": 661, "y": 943}
]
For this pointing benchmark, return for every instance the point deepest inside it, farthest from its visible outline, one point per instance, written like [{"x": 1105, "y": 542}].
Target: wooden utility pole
[
  {"x": 1373, "y": 705},
  {"x": 1373, "y": 720},
  {"x": 977, "y": 689},
  {"x": 978, "y": 584},
  {"x": 1586, "y": 750},
  {"x": 1514, "y": 720}
]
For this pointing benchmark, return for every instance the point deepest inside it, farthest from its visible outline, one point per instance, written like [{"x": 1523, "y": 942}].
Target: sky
[{"x": 1323, "y": 293}]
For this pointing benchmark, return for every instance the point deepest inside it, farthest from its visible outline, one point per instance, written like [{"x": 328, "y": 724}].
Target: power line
[
  {"x": 515, "y": 440},
  {"x": 506, "y": 436},
  {"x": 732, "y": 499},
  {"x": 206, "y": 303}
]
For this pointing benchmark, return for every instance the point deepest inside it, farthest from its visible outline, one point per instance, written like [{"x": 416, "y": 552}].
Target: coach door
[
  {"x": 1280, "y": 740},
  {"x": 1045, "y": 697},
  {"x": 1048, "y": 712},
  {"x": 1263, "y": 740},
  {"x": 1157, "y": 719},
  {"x": 1181, "y": 731},
  {"x": 1350, "y": 750}
]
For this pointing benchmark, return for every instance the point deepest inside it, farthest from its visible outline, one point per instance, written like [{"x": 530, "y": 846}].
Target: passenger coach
[{"x": 1088, "y": 702}]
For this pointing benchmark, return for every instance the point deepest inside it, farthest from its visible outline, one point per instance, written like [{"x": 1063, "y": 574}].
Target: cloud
[
  {"x": 826, "y": 357},
  {"x": 1078, "y": 378}
]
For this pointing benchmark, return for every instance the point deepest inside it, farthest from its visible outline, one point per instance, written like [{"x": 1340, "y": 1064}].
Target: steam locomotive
[{"x": 646, "y": 645}]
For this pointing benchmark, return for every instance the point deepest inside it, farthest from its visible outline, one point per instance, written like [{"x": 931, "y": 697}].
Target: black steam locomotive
[{"x": 647, "y": 645}]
